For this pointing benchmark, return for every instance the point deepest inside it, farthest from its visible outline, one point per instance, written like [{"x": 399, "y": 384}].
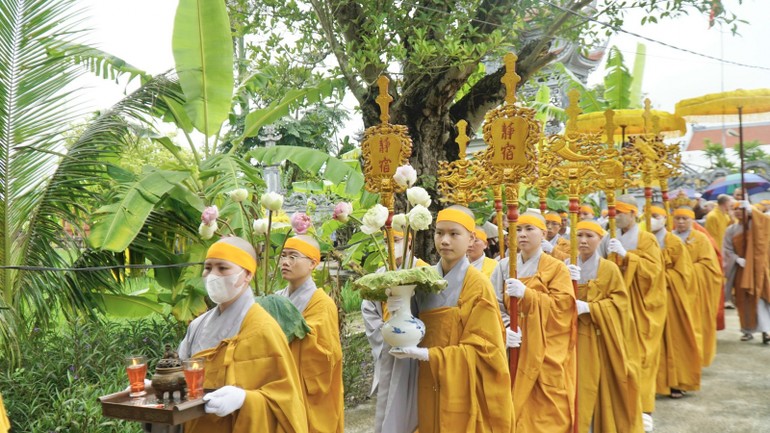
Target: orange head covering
[
  {"x": 531, "y": 220},
  {"x": 626, "y": 208},
  {"x": 481, "y": 234},
  {"x": 457, "y": 216},
  {"x": 231, "y": 253},
  {"x": 591, "y": 225},
  {"x": 587, "y": 209},
  {"x": 684, "y": 212},
  {"x": 657, "y": 210},
  {"x": 303, "y": 247},
  {"x": 553, "y": 217}
]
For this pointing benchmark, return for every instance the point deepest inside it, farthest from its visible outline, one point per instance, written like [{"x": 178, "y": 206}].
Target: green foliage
[
  {"x": 717, "y": 155},
  {"x": 286, "y": 314},
  {"x": 617, "y": 81},
  {"x": 351, "y": 299},
  {"x": 65, "y": 370},
  {"x": 752, "y": 151}
]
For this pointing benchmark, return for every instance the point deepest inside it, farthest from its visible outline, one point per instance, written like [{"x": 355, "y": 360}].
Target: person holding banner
[
  {"x": 463, "y": 381},
  {"x": 680, "y": 362},
  {"x": 707, "y": 278},
  {"x": 318, "y": 356},
  {"x": 608, "y": 385},
  {"x": 544, "y": 391},
  {"x": 641, "y": 262}
]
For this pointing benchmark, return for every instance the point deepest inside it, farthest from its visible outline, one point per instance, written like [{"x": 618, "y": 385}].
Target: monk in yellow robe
[
  {"x": 680, "y": 365},
  {"x": 554, "y": 243},
  {"x": 318, "y": 356},
  {"x": 247, "y": 357},
  {"x": 641, "y": 263},
  {"x": 544, "y": 386},
  {"x": 707, "y": 278},
  {"x": 608, "y": 386},
  {"x": 464, "y": 383},
  {"x": 746, "y": 255},
  {"x": 476, "y": 255},
  {"x": 716, "y": 224},
  {"x": 5, "y": 424}
]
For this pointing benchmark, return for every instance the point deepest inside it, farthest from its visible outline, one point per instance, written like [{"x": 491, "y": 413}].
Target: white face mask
[
  {"x": 657, "y": 224},
  {"x": 222, "y": 288}
]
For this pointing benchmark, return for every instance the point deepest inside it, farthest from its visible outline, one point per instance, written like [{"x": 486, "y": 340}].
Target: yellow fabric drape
[
  {"x": 753, "y": 281},
  {"x": 465, "y": 385},
  {"x": 680, "y": 361},
  {"x": 544, "y": 393},
  {"x": 716, "y": 224},
  {"x": 608, "y": 382},
  {"x": 258, "y": 360},
  {"x": 5, "y": 424},
  {"x": 708, "y": 278},
  {"x": 488, "y": 266},
  {"x": 647, "y": 290},
  {"x": 318, "y": 358}
]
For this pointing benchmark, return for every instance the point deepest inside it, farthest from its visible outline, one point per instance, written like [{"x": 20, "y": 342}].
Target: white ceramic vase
[{"x": 403, "y": 329}]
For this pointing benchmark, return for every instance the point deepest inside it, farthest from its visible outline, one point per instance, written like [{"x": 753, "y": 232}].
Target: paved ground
[{"x": 734, "y": 396}]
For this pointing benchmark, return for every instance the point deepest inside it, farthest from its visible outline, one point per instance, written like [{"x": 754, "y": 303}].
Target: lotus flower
[
  {"x": 342, "y": 211},
  {"x": 300, "y": 222},
  {"x": 210, "y": 215}
]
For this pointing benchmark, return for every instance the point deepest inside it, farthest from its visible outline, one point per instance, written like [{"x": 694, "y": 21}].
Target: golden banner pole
[{"x": 384, "y": 148}]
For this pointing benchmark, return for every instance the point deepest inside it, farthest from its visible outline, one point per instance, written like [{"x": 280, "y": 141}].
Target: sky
[{"x": 139, "y": 31}]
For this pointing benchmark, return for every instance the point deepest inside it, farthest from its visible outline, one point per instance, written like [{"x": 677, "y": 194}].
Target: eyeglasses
[{"x": 291, "y": 258}]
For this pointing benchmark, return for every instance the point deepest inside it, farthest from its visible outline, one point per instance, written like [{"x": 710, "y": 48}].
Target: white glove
[
  {"x": 418, "y": 353},
  {"x": 616, "y": 247},
  {"x": 741, "y": 262},
  {"x": 583, "y": 307},
  {"x": 395, "y": 303},
  {"x": 546, "y": 246},
  {"x": 225, "y": 400},
  {"x": 746, "y": 206},
  {"x": 574, "y": 272},
  {"x": 512, "y": 338},
  {"x": 147, "y": 384},
  {"x": 515, "y": 288}
]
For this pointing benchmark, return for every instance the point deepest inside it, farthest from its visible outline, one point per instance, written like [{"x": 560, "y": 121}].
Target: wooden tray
[{"x": 147, "y": 409}]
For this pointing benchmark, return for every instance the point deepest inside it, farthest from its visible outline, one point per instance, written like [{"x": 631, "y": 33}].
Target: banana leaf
[{"x": 286, "y": 314}]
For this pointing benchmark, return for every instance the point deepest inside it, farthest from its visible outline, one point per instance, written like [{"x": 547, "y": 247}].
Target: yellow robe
[
  {"x": 708, "y": 278},
  {"x": 608, "y": 386},
  {"x": 5, "y": 424},
  {"x": 680, "y": 362},
  {"x": 258, "y": 360},
  {"x": 488, "y": 266},
  {"x": 318, "y": 358},
  {"x": 563, "y": 246},
  {"x": 753, "y": 281},
  {"x": 647, "y": 289},
  {"x": 465, "y": 386},
  {"x": 544, "y": 389},
  {"x": 716, "y": 224}
]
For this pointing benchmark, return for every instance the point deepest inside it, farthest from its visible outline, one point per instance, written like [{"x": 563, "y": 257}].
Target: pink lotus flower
[
  {"x": 300, "y": 222},
  {"x": 210, "y": 215},
  {"x": 342, "y": 211}
]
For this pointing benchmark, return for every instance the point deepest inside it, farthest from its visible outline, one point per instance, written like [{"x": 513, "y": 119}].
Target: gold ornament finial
[
  {"x": 655, "y": 125},
  {"x": 384, "y": 99},
  {"x": 647, "y": 116},
  {"x": 511, "y": 78},
  {"x": 681, "y": 200},
  {"x": 609, "y": 126},
  {"x": 573, "y": 110},
  {"x": 462, "y": 137}
]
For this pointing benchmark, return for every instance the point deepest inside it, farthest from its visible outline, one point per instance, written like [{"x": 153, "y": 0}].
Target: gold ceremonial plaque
[{"x": 462, "y": 181}]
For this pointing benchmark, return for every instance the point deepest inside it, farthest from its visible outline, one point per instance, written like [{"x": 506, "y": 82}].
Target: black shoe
[
  {"x": 765, "y": 338},
  {"x": 729, "y": 306},
  {"x": 747, "y": 337}
]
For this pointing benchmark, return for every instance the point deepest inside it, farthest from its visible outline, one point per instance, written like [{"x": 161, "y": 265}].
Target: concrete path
[{"x": 734, "y": 396}]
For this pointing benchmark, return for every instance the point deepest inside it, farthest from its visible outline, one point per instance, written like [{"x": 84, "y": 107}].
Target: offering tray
[{"x": 148, "y": 409}]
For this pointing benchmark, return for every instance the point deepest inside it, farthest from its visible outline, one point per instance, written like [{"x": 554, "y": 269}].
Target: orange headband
[
  {"x": 456, "y": 216},
  {"x": 553, "y": 217},
  {"x": 592, "y": 226},
  {"x": 736, "y": 205},
  {"x": 657, "y": 210},
  {"x": 626, "y": 208},
  {"x": 397, "y": 234},
  {"x": 231, "y": 253},
  {"x": 684, "y": 213},
  {"x": 481, "y": 234},
  {"x": 305, "y": 248},
  {"x": 563, "y": 214},
  {"x": 531, "y": 220},
  {"x": 587, "y": 209}
]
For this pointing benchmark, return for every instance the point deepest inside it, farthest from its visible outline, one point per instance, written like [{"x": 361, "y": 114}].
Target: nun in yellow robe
[
  {"x": 463, "y": 384},
  {"x": 680, "y": 367},
  {"x": 608, "y": 386},
  {"x": 5, "y": 424},
  {"x": 544, "y": 387},
  {"x": 318, "y": 356},
  {"x": 707, "y": 278},
  {"x": 641, "y": 264},
  {"x": 248, "y": 360}
]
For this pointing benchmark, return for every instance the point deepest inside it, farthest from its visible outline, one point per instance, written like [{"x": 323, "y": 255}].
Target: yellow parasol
[
  {"x": 630, "y": 122},
  {"x": 729, "y": 106}
]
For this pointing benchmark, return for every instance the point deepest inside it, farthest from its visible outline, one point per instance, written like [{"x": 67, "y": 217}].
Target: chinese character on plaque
[
  {"x": 509, "y": 136},
  {"x": 385, "y": 155}
]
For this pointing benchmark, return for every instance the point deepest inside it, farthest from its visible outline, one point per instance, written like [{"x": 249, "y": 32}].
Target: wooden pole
[{"x": 512, "y": 201}]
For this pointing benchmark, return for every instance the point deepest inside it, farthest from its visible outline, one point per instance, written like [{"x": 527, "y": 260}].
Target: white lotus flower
[
  {"x": 272, "y": 201},
  {"x": 420, "y": 218},
  {"x": 417, "y": 195}
]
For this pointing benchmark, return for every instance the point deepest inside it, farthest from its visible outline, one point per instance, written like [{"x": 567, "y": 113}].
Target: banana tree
[{"x": 154, "y": 215}]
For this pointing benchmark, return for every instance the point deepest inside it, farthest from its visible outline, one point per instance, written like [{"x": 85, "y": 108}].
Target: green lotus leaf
[{"x": 372, "y": 286}]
